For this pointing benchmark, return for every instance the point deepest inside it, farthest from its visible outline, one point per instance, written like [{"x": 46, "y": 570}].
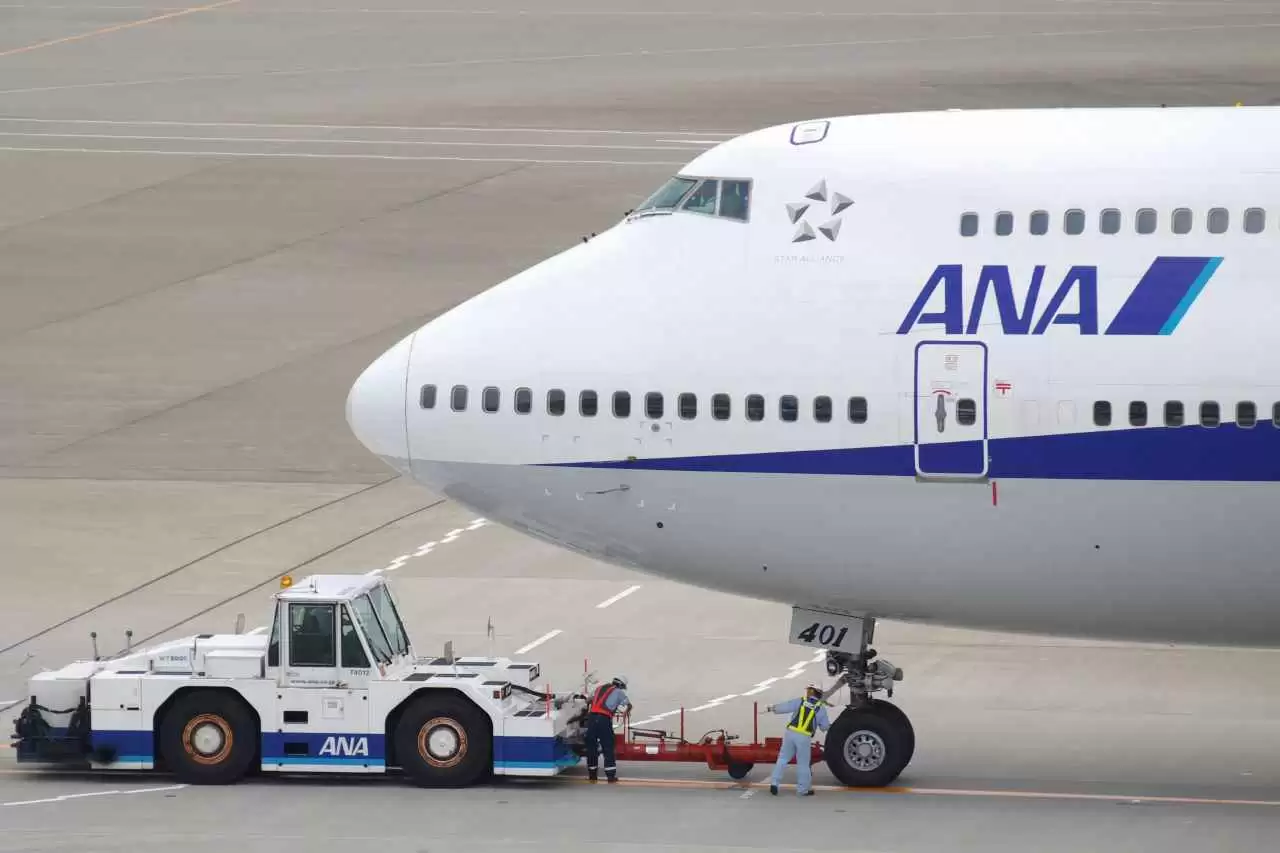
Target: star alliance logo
[{"x": 831, "y": 228}]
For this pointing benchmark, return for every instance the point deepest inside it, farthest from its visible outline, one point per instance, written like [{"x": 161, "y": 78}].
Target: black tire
[
  {"x": 444, "y": 742},
  {"x": 208, "y": 738},
  {"x": 870, "y": 730},
  {"x": 892, "y": 711},
  {"x": 739, "y": 769}
]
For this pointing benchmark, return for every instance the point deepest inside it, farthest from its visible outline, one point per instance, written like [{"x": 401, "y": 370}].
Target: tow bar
[{"x": 715, "y": 748}]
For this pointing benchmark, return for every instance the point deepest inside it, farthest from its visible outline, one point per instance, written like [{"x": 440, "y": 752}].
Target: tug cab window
[
  {"x": 311, "y": 635},
  {"x": 353, "y": 655}
]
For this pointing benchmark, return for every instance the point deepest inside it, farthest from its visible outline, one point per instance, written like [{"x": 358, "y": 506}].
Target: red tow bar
[{"x": 716, "y": 748}]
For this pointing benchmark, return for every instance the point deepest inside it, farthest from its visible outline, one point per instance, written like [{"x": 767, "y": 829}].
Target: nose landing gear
[{"x": 872, "y": 741}]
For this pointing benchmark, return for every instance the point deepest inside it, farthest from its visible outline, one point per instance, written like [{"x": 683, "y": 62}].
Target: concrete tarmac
[{"x": 216, "y": 215}]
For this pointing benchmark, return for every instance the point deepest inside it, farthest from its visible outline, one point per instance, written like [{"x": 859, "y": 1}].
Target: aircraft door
[{"x": 951, "y": 409}]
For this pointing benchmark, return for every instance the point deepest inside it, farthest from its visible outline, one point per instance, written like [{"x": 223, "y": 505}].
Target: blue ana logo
[
  {"x": 354, "y": 746},
  {"x": 1155, "y": 306}
]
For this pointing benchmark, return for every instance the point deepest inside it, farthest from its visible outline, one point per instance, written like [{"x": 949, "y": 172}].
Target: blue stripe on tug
[
  {"x": 326, "y": 749},
  {"x": 1228, "y": 453},
  {"x": 532, "y": 753}
]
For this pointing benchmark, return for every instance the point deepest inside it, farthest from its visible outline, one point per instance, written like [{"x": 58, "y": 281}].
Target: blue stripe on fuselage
[{"x": 1225, "y": 454}]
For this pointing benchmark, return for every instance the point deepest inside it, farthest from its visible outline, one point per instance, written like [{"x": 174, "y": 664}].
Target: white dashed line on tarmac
[
  {"x": 715, "y": 702},
  {"x": 87, "y": 794},
  {"x": 547, "y": 636},
  {"x": 608, "y": 601}
]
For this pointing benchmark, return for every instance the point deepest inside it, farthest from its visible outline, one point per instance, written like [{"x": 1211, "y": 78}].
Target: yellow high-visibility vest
[{"x": 804, "y": 720}]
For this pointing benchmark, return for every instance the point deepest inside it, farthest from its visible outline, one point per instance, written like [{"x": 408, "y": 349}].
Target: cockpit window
[
  {"x": 735, "y": 199},
  {"x": 703, "y": 199},
  {"x": 722, "y": 197},
  {"x": 668, "y": 195}
]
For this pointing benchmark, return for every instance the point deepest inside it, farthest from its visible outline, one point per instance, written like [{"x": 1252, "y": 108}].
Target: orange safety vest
[{"x": 597, "y": 701}]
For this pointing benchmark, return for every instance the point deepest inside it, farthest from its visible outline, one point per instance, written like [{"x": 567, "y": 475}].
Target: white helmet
[{"x": 620, "y": 681}]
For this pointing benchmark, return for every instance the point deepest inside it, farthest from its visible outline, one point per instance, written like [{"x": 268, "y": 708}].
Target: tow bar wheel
[
  {"x": 443, "y": 741},
  {"x": 207, "y": 738}
]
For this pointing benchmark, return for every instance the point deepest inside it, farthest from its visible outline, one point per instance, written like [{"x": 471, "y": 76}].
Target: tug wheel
[
  {"x": 444, "y": 742},
  {"x": 739, "y": 769},
  {"x": 208, "y": 738}
]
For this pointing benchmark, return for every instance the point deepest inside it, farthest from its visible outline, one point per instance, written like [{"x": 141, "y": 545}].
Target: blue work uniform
[
  {"x": 604, "y": 704},
  {"x": 807, "y": 717}
]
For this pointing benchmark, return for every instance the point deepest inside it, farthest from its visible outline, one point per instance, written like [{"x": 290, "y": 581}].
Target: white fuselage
[{"x": 1030, "y": 509}]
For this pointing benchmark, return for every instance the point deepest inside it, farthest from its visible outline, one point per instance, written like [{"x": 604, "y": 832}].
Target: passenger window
[
  {"x": 1255, "y": 220},
  {"x": 968, "y": 225},
  {"x": 353, "y": 656},
  {"x": 1210, "y": 414},
  {"x": 588, "y": 404},
  {"x": 1102, "y": 413},
  {"x": 524, "y": 401},
  {"x": 1040, "y": 223},
  {"x": 1073, "y": 222},
  {"x": 1182, "y": 220},
  {"x": 490, "y": 399},
  {"x": 788, "y": 407},
  {"x": 1147, "y": 220},
  {"x": 555, "y": 402},
  {"x": 720, "y": 407},
  {"x": 858, "y": 410},
  {"x": 427, "y": 397},
  {"x": 735, "y": 199},
  {"x": 703, "y": 199},
  {"x": 1219, "y": 219},
  {"x": 653, "y": 405},
  {"x": 1173, "y": 413},
  {"x": 966, "y": 412},
  {"x": 1246, "y": 415},
  {"x": 1137, "y": 413},
  {"x": 621, "y": 404},
  {"x": 1109, "y": 222},
  {"x": 1004, "y": 223},
  {"x": 459, "y": 398},
  {"x": 311, "y": 640},
  {"x": 755, "y": 407},
  {"x": 822, "y": 409},
  {"x": 1275, "y": 414},
  {"x": 688, "y": 406}
]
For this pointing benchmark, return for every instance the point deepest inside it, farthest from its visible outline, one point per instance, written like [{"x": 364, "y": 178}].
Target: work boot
[
  {"x": 807, "y": 794},
  {"x": 773, "y": 789},
  {"x": 591, "y": 775},
  {"x": 612, "y": 779}
]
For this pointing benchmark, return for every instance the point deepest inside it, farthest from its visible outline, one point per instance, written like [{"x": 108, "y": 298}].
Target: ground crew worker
[
  {"x": 807, "y": 716},
  {"x": 604, "y": 704}
]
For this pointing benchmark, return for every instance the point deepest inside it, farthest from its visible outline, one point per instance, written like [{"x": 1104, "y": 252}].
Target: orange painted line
[
  {"x": 117, "y": 27},
  {"x": 945, "y": 792}
]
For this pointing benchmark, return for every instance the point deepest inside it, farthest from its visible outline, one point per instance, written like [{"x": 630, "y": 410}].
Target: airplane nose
[{"x": 376, "y": 406}]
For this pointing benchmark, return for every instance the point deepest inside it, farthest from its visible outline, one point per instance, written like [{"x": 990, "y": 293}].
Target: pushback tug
[{"x": 334, "y": 687}]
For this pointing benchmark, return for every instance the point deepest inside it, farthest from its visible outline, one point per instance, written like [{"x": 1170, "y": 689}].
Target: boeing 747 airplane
[{"x": 1006, "y": 369}]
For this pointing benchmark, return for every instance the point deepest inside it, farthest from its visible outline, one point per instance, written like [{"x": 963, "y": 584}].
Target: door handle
[{"x": 941, "y": 412}]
